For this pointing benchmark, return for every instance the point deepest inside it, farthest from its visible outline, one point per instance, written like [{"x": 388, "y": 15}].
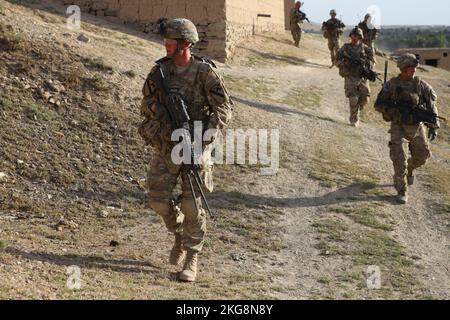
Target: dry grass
[
  {"x": 334, "y": 162},
  {"x": 308, "y": 98}
]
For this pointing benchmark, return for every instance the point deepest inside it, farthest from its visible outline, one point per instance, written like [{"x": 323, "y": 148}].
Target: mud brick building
[
  {"x": 436, "y": 57},
  {"x": 222, "y": 24}
]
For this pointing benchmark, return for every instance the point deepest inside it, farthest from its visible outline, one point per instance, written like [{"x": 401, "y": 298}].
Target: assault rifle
[
  {"x": 177, "y": 110},
  {"x": 367, "y": 72},
  {"x": 303, "y": 16},
  {"x": 415, "y": 113}
]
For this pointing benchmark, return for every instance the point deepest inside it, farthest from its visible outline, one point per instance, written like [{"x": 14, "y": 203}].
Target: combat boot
[
  {"x": 177, "y": 254},
  {"x": 402, "y": 197},
  {"x": 189, "y": 272}
]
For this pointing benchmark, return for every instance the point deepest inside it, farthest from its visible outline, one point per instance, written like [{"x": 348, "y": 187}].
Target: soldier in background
[
  {"x": 352, "y": 57},
  {"x": 332, "y": 30},
  {"x": 296, "y": 23},
  {"x": 194, "y": 80},
  {"x": 369, "y": 31},
  {"x": 411, "y": 91}
]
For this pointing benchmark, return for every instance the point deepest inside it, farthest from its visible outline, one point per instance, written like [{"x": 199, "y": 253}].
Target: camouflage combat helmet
[
  {"x": 179, "y": 29},
  {"x": 357, "y": 31},
  {"x": 407, "y": 60},
  {"x": 333, "y": 12}
]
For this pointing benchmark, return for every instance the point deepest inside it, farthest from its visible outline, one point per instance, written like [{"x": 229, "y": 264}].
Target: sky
[{"x": 392, "y": 12}]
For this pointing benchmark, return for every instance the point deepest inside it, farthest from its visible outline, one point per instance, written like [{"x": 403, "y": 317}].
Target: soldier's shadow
[
  {"x": 358, "y": 192},
  {"x": 287, "y": 59},
  {"x": 279, "y": 109},
  {"x": 89, "y": 262}
]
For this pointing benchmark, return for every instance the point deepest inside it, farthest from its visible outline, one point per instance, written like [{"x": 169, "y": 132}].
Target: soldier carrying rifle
[
  {"x": 180, "y": 89},
  {"x": 409, "y": 103}
]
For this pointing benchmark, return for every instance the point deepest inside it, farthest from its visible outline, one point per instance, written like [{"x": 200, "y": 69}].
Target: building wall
[
  {"x": 221, "y": 23},
  {"x": 242, "y": 19},
  {"x": 288, "y": 5},
  {"x": 208, "y": 16},
  {"x": 442, "y": 55}
]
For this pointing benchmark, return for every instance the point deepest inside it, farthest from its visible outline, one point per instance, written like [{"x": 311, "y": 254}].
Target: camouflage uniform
[
  {"x": 296, "y": 24},
  {"x": 357, "y": 88},
  {"x": 370, "y": 34},
  {"x": 207, "y": 100},
  {"x": 413, "y": 92},
  {"x": 332, "y": 30}
]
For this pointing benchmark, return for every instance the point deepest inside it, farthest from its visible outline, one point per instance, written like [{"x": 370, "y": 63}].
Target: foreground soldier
[
  {"x": 407, "y": 92},
  {"x": 192, "y": 79},
  {"x": 369, "y": 31},
  {"x": 353, "y": 58},
  {"x": 332, "y": 30},
  {"x": 296, "y": 23}
]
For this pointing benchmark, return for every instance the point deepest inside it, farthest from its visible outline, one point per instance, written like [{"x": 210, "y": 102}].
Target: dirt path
[{"x": 306, "y": 272}]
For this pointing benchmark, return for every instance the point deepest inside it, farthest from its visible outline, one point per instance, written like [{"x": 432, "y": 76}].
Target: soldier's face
[
  {"x": 409, "y": 72},
  {"x": 355, "y": 38},
  {"x": 171, "y": 46},
  {"x": 333, "y": 15}
]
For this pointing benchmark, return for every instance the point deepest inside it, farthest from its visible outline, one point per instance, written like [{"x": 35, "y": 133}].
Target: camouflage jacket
[
  {"x": 333, "y": 28},
  {"x": 296, "y": 18},
  {"x": 369, "y": 34},
  {"x": 201, "y": 88},
  {"x": 348, "y": 66},
  {"x": 413, "y": 92}
]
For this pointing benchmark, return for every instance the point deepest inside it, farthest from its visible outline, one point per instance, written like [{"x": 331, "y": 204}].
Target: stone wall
[{"x": 221, "y": 23}]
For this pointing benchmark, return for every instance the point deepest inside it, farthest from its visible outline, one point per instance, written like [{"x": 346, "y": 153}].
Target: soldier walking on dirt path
[
  {"x": 353, "y": 59},
  {"x": 332, "y": 30},
  {"x": 296, "y": 23},
  {"x": 397, "y": 102},
  {"x": 190, "y": 79}
]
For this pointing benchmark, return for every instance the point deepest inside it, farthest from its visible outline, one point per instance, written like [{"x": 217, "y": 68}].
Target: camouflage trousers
[
  {"x": 190, "y": 222},
  {"x": 296, "y": 32},
  {"x": 333, "y": 45},
  {"x": 357, "y": 91},
  {"x": 417, "y": 141}
]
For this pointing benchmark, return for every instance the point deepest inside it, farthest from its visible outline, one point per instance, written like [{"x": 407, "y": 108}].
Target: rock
[
  {"x": 3, "y": 176},
  {"x": 88, "y": 97},
  {"x": 52, "y": 101},
  {"x": 83, "y": 38},
  {"x": 46, "y": 95},
  {"x": 113, "y": 243},
  {"x": 103, "y": 214},
  {"x": 20, "y": 162},
  {"x": 66, "y": 223}
]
